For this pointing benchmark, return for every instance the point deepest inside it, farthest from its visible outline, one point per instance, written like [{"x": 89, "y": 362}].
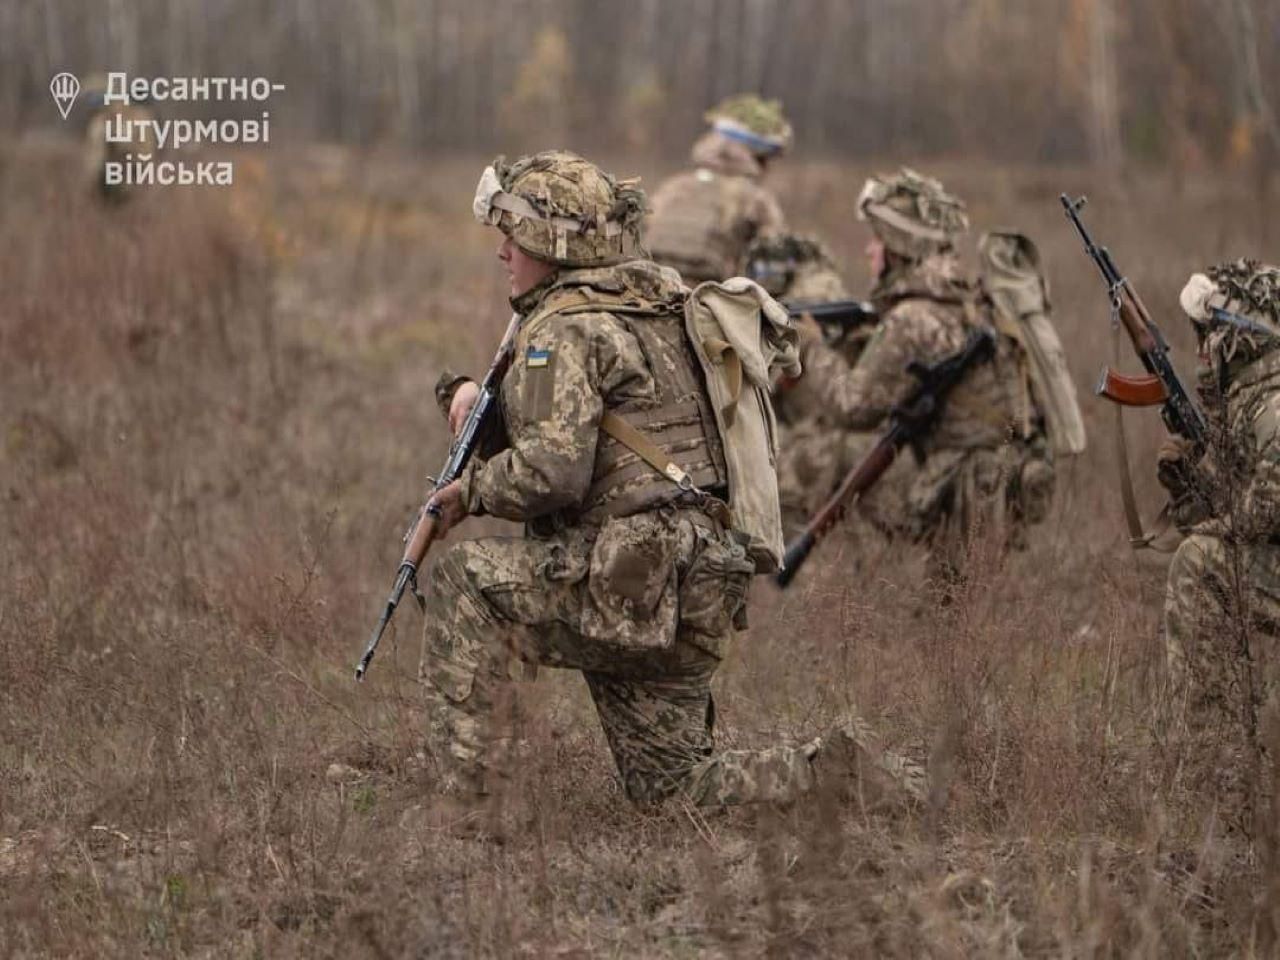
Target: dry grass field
[{"x": 215, "y": 420}]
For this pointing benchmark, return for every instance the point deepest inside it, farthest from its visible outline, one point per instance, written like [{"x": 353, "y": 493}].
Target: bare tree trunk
[{"x": 1104, "y": 128}]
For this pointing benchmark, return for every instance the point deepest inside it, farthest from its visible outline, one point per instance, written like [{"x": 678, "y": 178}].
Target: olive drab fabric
[
  {"x": 1014, "y": 282},
  {"x": 1222, "y": 597},
  {"x": 744, "y": 341}
]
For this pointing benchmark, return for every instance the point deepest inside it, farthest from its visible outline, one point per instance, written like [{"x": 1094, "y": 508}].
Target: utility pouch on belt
[{"x": 713, "y": 592}]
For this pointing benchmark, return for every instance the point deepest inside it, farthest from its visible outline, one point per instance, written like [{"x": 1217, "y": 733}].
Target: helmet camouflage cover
[
  {"x": 754, "y": 121},
  {"x": 1233, "y": 304},
  {"x": 912, "y": 214},
  {"x": 561, "y": 208},
  {"x": 795, "y": 267}
]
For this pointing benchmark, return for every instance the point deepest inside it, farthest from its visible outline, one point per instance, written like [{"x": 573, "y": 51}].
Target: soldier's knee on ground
[{"x": 1189, "y": 599}]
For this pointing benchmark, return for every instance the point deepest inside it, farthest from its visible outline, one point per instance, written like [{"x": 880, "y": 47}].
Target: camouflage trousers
[
  {"x": 491, "y": 601},
  {"x": 1222, "y": 624}
]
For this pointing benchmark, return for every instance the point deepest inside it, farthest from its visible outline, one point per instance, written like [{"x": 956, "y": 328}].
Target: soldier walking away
[
  {"x": 1222, "y": 600},
  {"x": 987, "y": 466},
  {"x": 132, "y": 118},
  {"x": 624, "y": 574},
  {"x": 704, "y": 220}
]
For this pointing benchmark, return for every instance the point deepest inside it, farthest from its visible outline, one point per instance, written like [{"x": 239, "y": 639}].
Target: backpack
[
  {"x": 1014, "y": 282},
  {"x": 744, "y": 341}
]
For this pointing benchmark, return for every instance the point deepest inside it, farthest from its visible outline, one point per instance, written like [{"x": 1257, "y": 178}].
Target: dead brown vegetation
[{"x": 214, "y": 418}]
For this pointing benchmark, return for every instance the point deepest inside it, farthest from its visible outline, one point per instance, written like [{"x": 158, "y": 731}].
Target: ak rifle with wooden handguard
[
  {"x": 909, "y": 425},
  {"x": 1161, "y": 385},
  {"x": 425, "y": 529}
]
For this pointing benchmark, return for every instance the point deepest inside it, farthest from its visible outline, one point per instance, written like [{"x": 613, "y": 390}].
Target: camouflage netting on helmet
[
  {"x": 795, "y": 267},
  {"x": 1234, "y": 304},
  {"x": 559, "y": 207},
  {"x": 912, "y": 214},
  {"x": 754, "y": 121}
]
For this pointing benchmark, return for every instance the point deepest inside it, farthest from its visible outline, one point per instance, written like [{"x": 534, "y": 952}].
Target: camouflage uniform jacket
[
  {"x": 987, "y": 428},
  {"x": 702, "y": 221},
  {"x": 569, "y": 368},
  {"x": 1240, "y": 478}
]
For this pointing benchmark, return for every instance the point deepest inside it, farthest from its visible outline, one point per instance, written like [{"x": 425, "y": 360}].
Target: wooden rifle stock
[
  {"x": 425, "y": 530},
  {"x": 857, "y": 482},
  {"x": 909, "y": 424},
  {"x": 1177, "y": 407}
]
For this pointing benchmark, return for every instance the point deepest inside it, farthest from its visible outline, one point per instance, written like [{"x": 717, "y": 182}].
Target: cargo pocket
[
  {"x": 714, "y": 591},
  {"x": 631, "y": 587}
]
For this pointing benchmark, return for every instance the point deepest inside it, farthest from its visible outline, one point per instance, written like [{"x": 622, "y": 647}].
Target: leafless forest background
[
  {"x": 215, "y": 420},
  {"x": 1181, "y": 83}
]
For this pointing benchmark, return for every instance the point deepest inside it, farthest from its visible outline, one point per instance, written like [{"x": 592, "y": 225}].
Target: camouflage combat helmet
[
  {"x": 1234, "y": 304},
  {"x": 795, "y": 267},
  {"x": 753, "y": 121},
  {"x": 561, "y": 208},
  {"x": 912, "y": 214}
]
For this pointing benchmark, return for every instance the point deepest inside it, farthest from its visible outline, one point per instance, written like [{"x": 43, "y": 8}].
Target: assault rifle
[
  {"x": 909, "y": 424},
  {"x": 424, "y": 531},
  {"x": 1161, "y": 384},
  {"x": 836, "y": 317}
]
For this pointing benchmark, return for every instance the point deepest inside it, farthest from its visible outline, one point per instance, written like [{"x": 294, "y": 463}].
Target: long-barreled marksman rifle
[
  {"x": 909, "y": 424},
  {"x": 425, "y": 529},
  {"x": 1160, "y": 386}
]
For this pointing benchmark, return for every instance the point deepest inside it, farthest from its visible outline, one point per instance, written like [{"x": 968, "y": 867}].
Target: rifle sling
[
  {"x": 1133, "y": 519},
  {"x": 638, "y": 443}
]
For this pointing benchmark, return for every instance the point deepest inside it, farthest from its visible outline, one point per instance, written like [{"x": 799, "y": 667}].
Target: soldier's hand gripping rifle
[
  {"x": 425, "y": 529},
  {"x": 909, "y": 424},
  {"x": 1161, "y": 384}
]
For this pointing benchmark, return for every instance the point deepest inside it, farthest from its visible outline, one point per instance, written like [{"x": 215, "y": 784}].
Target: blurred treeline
[{"x": 1187, "y": 83}]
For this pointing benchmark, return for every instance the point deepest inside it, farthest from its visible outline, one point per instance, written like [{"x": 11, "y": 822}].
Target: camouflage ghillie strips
[
  {"x": 754, "y": 121},
  {"x": 1234, "y": 305},
  {"x": 1253, "y": 285}
]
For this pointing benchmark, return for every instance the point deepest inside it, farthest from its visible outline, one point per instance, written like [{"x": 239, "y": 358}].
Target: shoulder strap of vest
[{"x": 585, "y": 299}]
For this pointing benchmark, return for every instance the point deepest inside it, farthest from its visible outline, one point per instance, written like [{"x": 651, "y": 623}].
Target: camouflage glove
[
  {"x": 1175, "y": 468},
  {"x": 1186, "y": 481}
]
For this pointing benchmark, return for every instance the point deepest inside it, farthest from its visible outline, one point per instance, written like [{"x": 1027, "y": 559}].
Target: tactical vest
[
  {"x": 991, "y": 406},
  {"x": 693, "y": 229},
  {"x": 678, "y": 419}
]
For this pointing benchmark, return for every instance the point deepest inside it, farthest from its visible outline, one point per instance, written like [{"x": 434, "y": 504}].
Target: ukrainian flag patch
[{"x": 537, "y": 358}]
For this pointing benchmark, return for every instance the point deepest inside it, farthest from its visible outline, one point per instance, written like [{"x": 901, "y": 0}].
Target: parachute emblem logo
[{"x": 65, "y": 88}]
